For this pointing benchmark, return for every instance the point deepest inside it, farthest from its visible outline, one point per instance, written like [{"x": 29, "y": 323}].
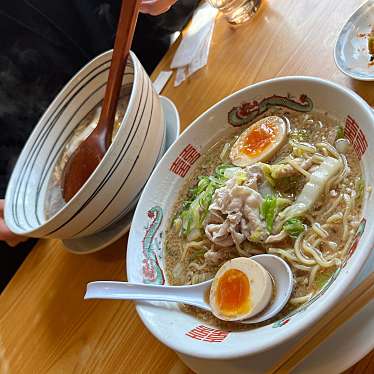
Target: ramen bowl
[
  {"x": 112, "y": 190},
  {"x": 145, "y": 262}
]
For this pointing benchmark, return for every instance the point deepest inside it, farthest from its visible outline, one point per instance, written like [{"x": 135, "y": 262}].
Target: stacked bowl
[{"x": 114, "y": 187}]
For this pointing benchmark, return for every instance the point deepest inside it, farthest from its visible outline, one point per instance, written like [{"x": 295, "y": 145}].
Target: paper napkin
[{"x": 192, "y": 53}]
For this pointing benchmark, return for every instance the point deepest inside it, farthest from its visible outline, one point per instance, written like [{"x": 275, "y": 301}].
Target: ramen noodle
[{"x": 303, "y": 204}]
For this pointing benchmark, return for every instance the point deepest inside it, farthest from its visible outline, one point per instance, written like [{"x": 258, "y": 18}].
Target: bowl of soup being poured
[
  {"x": 281, "y": 168},
  {"x": 34, "y": 200}
]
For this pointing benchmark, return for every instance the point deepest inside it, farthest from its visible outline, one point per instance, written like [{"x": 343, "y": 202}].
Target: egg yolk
[
  {"x": 233, "y": 291},
  {"x": 258, "y": 139}
]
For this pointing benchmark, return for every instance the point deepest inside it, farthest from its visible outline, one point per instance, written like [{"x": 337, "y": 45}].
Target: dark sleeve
[
  {"x": 35, "y": 63},
  {"x": 175, "y": 18},
  {"x": 11, "y": 259},
  {"x": 152, "y": 33}
]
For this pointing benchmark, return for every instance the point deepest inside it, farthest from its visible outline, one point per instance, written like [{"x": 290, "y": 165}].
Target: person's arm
[
  {"x": 156, "y": 7},
  {"x": 5, "y": 234}
]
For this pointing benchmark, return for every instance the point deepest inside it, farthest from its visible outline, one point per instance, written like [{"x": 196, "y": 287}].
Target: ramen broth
[{"x": 313, "y": 242}]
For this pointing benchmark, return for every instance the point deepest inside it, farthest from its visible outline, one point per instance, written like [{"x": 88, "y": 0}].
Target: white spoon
[{"x": 198, "y": 294}]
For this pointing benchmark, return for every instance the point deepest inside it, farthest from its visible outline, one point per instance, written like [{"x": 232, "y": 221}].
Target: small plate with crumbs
[{"x": 354, "y": 49}]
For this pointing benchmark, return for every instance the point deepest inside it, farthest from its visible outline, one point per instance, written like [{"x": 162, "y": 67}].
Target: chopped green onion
[
  {"x": 220, "y": 170},
  {"x": 268, "y": 211},
  {"x": 270, "y": 207},
  {"x": 294, "y": 227},
  {"x": 195, "y": 208}
]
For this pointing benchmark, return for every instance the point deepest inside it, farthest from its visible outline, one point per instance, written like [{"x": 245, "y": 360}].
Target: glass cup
[{"x": 236, "y": 11}]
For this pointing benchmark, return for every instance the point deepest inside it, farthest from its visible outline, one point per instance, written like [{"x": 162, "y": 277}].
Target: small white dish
[
  {"x": 351, "y": 51},
  {"x": 96, "y": 242}
]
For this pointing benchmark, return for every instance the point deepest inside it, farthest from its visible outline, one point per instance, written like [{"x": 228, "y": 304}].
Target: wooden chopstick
[{"x": 346, "y": 309}]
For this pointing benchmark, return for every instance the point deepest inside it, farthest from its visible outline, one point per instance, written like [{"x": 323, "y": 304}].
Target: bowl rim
[
  {"x": 300, "y": 325},
  {"x": 59, "y": 98}
]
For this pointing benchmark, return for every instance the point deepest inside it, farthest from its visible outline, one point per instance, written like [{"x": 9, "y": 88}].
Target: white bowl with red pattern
[{"x": 183, "y": 332}]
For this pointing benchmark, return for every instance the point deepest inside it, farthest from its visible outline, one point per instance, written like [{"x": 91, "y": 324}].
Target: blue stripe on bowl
[
  {"x": 49, "y": 166},
  {"x": 127, "y": 176},
  {"x": 136, "y": 198},
  {"x": 117, "y": 162},
  {"x": 41, "y": 138},
  {"x": 35, "y": 147},
  {"x": 52, "y": 160}
]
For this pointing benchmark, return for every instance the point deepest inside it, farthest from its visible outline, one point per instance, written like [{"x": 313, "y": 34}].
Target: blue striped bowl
[{"x": 114, "y": 187}]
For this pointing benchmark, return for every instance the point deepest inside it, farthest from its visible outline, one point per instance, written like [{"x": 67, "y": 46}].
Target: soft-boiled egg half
[
  {"x": 241, "y": 289},
  {"x": 259, "y": 142}
]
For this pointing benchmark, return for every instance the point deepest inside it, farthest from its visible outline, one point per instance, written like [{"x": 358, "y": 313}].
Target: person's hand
[
  {"x": 5, "y": 234},
  {"x": 156, "y": 7}
]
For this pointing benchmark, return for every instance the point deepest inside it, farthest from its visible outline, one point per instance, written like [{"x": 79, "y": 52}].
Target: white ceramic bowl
[
  {"x": 183, "y": 332},
  {"x": 112, "y": 190}
]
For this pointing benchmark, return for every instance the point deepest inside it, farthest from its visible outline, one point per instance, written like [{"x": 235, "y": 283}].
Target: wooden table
[{"x": 45, "y": 325}]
